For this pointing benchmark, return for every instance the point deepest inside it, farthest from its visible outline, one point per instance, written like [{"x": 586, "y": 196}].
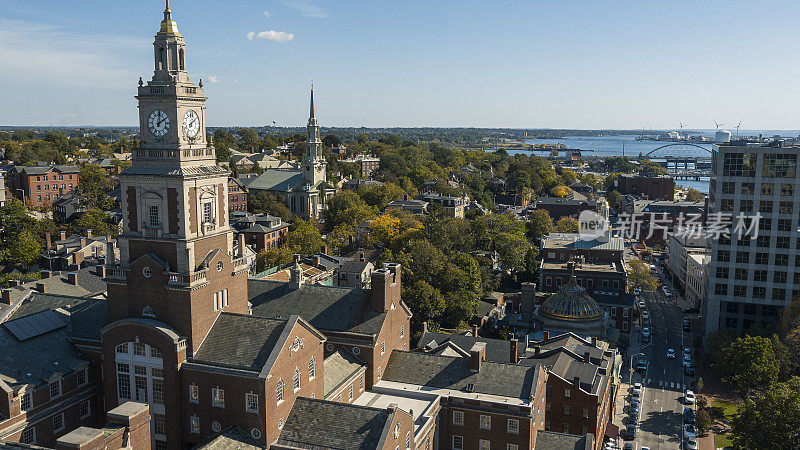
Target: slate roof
[
  {"x": 339, "y": 367},
  {"x": 88, "y": 318},
  {"x": 35, "y": 360},
  {"x": 334, "y": 425},
  {"x": 276, "y": 180},
  {"x": 38, "y": 170},
  {"x": 444, "y": 372},
  {"x": 232, "y": 438},
  {"x": 240, "y": 341},
  {"x": 326, "y": 308},
  {"x": 38, "y": 302},
  {"x": 550, "y": 440},
  {"x": 354, "y": 266},
  {"x": 497, "y": 350}
]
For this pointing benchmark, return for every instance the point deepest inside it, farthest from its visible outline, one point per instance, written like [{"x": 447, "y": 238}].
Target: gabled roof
[
  {"x": 322, "y": 424},
  {"x": 276, "y": 180},
  {"x": 497, "y": 350},
  {"x": 550, "y": 440},
  {"x": 326, "y": 308},
  {"x": 339, "y": 367},
  {"x": 444, "y": 372},
  {"x": 241, "y": 341},
  {"x": 232, "y": 438}
]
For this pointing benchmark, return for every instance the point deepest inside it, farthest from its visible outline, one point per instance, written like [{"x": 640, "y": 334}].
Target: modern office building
[{"x": 752, "y": 278}]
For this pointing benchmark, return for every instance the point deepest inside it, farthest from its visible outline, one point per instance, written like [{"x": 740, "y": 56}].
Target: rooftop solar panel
[{"x": 36, "y": 324}]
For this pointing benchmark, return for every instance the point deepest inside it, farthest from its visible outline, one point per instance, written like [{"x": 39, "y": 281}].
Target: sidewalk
[{"x": 621, "y": 399}]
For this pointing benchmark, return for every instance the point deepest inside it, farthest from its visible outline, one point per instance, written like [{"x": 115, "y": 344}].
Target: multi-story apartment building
[
  {"x": 652, "y": 187},
  {"x": 261, "y": 231},
  {"x": 237, "y": 195},
  {"x": 43, "y": 184},
  {"x": 751, "y": 279}
]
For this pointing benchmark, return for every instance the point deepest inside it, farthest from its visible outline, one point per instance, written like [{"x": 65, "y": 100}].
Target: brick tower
[{"x": 178, "y": 268}]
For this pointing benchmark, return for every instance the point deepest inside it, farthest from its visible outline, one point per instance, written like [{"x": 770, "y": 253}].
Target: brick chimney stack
[
  {"x": 474, "y": 331},
  {"x": 514, "y": 355},
  {"x": 577, "y": 382},
  {"x": 72, "y": 278},
  {"x": 41, "y": 287},
  {"x": 7, "y": 298},
  {"x": 240, "y": 240},
  {"x": 476, "y": 356},
  {"x": 386, "y": 288},
  {"x": 48, "y": 241},
  {"x": 424, "y": 326},
  {"x": 586, "y": 357},
  {"x": 88, "y": 232},
  {"x": 62, "y": 234}
]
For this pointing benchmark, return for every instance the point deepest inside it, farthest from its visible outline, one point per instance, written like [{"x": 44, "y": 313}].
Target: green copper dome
[{"x": 572, "y": 304}]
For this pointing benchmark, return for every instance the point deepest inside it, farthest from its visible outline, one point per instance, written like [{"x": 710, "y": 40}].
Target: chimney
[
  {"x": 101, "y": 260},
  {"x": 6, "y": 299},
  {"x": 240, "y": 240},
  {"x": 13, "y": 283},
  {"x": 577, "y": 382},
  {"x": 110, "y": 253},
  {"x": 594, "y": 341},
  {"x": 514, "y": 356},
  {"x": 545, "y": 335},
  {"x": 45, "y": 274},
  {"x": 296, "y": 273},
  {"x": 41, "y": 287},
  {"x": 586, "y": 357},
  {"x": 72, "y": 278},
  {"x": 48, "y": 241},
  {"x": 536, "y": 350},
  {"x": 97, "y": 249},
  {"x": 405, "y": 197},
  {"x": 88, "y": 232},
  {"x": 425, "y": 326},
  {"x": 474, "y": 331},
  {"x": 476, "y": 356},
  {"x": 83, "y": 242},
  {"x": 526, "y": 341},
  {"x": 83, "y": 438},
  {"x": 316, "y": 260},
  {"x": 361, "y": 255},
  {"x": 62, "y": 234},
  {"x": 385, "y": 287},
  {"x": 101, "y": 270}
]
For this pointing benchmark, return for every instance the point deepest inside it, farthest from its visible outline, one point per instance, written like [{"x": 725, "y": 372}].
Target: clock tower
[{"x": 177, "y": 261}]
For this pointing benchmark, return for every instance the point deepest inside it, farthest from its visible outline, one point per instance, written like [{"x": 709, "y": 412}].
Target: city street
[{"x": 661, "y": 409}]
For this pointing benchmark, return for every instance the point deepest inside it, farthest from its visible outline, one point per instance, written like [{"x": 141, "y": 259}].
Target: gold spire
[{"x": 168, "y": 25}]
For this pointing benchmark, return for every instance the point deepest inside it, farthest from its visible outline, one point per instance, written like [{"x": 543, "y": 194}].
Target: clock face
[
  {"x": 191, "y": 123},
  {"x": 158, "y": 123}
]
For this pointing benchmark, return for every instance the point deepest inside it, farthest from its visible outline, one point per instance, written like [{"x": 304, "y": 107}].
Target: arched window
[
  {"x": 296, "y": 378},
  {"x": 180, "y": 59},
  {"x": 279, "y": 391},
  {"x": 312, "y": 369},
  {"x": 161, "y": 58}
]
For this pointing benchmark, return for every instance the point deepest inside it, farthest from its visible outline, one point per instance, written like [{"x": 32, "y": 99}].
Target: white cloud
[
  {"x": 306, "y": 8},
  {"x": 271, "y": 35},
  {"x": 213, "y": 79},
  {"x": 267, "y": 14}
]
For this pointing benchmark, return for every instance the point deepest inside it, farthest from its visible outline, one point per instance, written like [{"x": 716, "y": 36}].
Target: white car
[
  {"x": 691, "y": 444},
  {"x": 642, "y": 305},
  {"x": 689, "y": 431},
  {"x": 689, "y": 397},
  {"x": 670, "y": 353},
  {"x": 637, "y": 390}
]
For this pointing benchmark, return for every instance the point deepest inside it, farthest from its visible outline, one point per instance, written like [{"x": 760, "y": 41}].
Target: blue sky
[{"x": 532, "y": 64}]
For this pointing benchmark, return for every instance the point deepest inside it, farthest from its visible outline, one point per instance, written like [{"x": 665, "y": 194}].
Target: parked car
[
  {"x": 645, "y": 331},
  {"x": 628, "y": 446},
  {"x": 636, "y": 391},
  {"x": 642, "y": 305},
  {"x": 690, "y": 444},
  {"x": 630, "y": 430},
  {"x": 645, "y": 315},
  {"x": 641, "y": 366},
  {"x": 633, "y": 410},
  {"x": 688, "y": 370},
  {"x": 689, "y": 431},
  {"x": 689, "y": 397},
  {"x": 670, "y": 353},
  {"x": 688, "y": 415}
]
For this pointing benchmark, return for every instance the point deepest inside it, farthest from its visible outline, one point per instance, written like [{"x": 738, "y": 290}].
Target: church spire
[{"x": 312, "y": 114}]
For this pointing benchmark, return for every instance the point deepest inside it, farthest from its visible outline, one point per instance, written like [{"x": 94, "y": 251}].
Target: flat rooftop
[
  {"x": 615, "y": 267},
  {"x": 419, "y": 406},
  {"x": 574, "y": 241}
]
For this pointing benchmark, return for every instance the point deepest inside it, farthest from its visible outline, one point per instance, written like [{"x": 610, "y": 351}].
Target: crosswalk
[{"x": 666, "y": 384}]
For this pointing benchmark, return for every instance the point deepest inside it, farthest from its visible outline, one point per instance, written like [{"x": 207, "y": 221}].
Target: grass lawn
[{"x": 728, "y": 409}]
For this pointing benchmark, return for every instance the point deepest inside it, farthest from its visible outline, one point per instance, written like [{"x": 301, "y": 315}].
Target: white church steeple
[{"x": 313, "y": 161}]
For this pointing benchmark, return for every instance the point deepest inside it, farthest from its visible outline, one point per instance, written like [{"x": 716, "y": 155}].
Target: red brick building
[
  {"x": 260, "y": 231},
  {"x": 237, "y": 195},
  {"x": 43, "y": 184},
  {"x": 652, "y": 187}
]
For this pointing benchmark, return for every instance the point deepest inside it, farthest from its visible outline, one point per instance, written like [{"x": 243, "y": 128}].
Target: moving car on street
[{"x": 670, "y": 353}]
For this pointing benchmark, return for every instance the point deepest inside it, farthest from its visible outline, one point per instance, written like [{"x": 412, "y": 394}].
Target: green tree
[
  {"x": 425, "y": 301},
  {"x": 331, "y": 141},
  {"x": 693, "y": 195},
  {"x": 613, "y": 197},
  {"x": 96, "y": 220},
  {"x": 347, "y": 208},
  {"x": 304, "y": 237},
  {"x": 769, "y": 420},
  {"x": 93, "y": 187},
  {"x": 539, "y": 224},
  {"x": 567, "y": 224},
  {"x": 511, "y": 249},
  {"x": 641, "y": 277},
  {"x": 274, "y": 257},
  {"x": 750, "y": 362},
  {"x": 24, "y": 249},
  {"x": 266, "y": 203},
  {"x": 381, "y": 195},
  {"x": 703, "y": 419},
  {"x": 248, "y": 140}
]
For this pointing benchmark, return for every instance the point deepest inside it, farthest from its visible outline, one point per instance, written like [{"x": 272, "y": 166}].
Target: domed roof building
[
  {"x": 572, "y": 309},
  {"x": 571, "y": 304}
]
